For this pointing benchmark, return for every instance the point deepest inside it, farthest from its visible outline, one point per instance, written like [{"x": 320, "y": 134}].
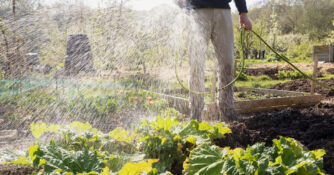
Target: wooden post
[
  {"x": 214, "y": 82},
  {"x": 315, "y": 70},
  {"x": 331, "y": 53}
]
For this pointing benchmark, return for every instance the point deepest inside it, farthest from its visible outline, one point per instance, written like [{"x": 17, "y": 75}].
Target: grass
[
  {"x": 327, "y": 76},
  {"x": 251, "y": 61},
  {"x": 260, "y": 83},
  {"x": 263, "y": 81}
]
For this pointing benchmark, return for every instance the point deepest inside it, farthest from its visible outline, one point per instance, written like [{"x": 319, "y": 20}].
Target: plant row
[{"x": 163, "y": 146}]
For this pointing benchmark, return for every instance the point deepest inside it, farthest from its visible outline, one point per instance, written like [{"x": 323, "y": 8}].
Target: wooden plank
[
  {"x": 211, "y": 110},
  {"x": 281, "y": 93},
  {"x": 322, "y": 51},
  {"x": 174, "y": 91},
  {"x": 8, "y": 135},
  {"x": 276, "y": 103},
  {"x": 244, "y": 107}
]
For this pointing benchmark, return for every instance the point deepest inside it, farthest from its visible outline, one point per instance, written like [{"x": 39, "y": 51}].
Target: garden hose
[
  {"x": 287, "y": 60},
  {"x": 284, "y": 58}
]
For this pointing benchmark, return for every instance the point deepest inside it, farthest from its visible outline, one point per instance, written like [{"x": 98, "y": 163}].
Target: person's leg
[
  {"x": 223, "y": 41},
  {"x": 200, "y": 31}
]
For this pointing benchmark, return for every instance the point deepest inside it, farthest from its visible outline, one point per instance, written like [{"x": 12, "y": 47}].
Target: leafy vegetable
[
  {"x": 53, "y": 158},
  {"x": 170, "y": 141},
  {"x": 286, "y": 156},
  {"x": 159, "y": 146}
]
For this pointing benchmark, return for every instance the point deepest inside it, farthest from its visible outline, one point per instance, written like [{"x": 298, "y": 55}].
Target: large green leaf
[
  {"x": 206, "y": 160},
  {"x": 164, "y": 124},
  {"x": 286, "y": 156},
  {"x": 137, "y": 168},
  {"x": 120, "y": 134},
  {"x": 53, "y": 157}
]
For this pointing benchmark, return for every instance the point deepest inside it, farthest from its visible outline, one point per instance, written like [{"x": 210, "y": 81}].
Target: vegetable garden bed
[{"x": 256, "y": 100}]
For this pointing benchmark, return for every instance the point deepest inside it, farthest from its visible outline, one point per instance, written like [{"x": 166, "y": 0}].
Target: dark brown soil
[
  {"x": 14, "y": 170},
  {"x": 303, "y": 85},
  {"x": 313, "y": 127}
]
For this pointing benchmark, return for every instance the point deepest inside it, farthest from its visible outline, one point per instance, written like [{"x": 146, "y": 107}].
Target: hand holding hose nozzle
[{"x": 245, "y": 22}]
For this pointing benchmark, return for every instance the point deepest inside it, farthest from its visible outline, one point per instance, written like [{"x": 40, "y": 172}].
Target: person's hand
[
  {"x": 245, "y": 22},
  {"x": 181, "y": 3}
]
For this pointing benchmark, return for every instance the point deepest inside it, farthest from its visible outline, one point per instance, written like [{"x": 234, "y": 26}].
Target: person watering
[{"x": 212, "y": 20}]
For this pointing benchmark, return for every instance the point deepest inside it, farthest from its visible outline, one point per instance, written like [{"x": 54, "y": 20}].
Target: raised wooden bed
[{"x": 283, "y": 100}]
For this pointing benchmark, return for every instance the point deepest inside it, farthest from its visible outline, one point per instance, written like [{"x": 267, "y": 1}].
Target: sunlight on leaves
[
  {"x": 137, "y": 168},
  {"x": 38, "y": 129}
]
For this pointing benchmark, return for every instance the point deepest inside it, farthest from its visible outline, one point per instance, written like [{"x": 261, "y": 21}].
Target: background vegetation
[{"x": 121, "y": 36}]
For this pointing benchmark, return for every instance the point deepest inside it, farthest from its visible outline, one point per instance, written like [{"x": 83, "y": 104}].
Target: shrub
[
  {"x": 301, "y": 51},
  {"x": 242, "y": 77},
  {"x": 282, "y": 75}
]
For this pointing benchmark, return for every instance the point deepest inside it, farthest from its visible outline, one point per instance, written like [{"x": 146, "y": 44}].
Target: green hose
[
  {"x": 287, "y": 60},
  {"x": 243, "y": 66}
]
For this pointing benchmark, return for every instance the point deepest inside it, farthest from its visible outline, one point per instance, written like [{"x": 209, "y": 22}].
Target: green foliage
[
  {"x": 243, "y": 77},
  {"x": 281, "y": 75},
  {"x": 137, "y": 168},
  {"x": 169, "y": 112},
  {"x": 286, "y": 156},
  {"x": 53, "y": 158},
  {"x": 170, "y": 141},
  {"x": 82, "y": 104},
  {"x": 264, "y": 77},
  {"x": 272, "y": 57},
  {"x": 92, "y": 106},
  {"x": 330, "y": 39},
  {"x": 160, "y": 145},
  {"x": 301, "y": 51},
  {"x": 80, "y": 148},
  {"x": 206, "y": 160},
  {"x": 10, "y": 156}
]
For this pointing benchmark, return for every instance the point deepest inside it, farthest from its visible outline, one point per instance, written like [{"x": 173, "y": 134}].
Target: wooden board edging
[{"x": 211, "y": 110}]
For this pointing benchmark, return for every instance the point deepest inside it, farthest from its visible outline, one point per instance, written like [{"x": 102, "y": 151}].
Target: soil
[
  {"x": 303, "y": 85},
  {"x": 14, "y": 170},
  {"x": 313, "y": 127},
  {"x": 324, "y": 68}
]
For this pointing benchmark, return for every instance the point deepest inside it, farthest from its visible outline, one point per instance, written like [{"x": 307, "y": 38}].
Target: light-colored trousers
[{"x": 215, "y": 25}]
